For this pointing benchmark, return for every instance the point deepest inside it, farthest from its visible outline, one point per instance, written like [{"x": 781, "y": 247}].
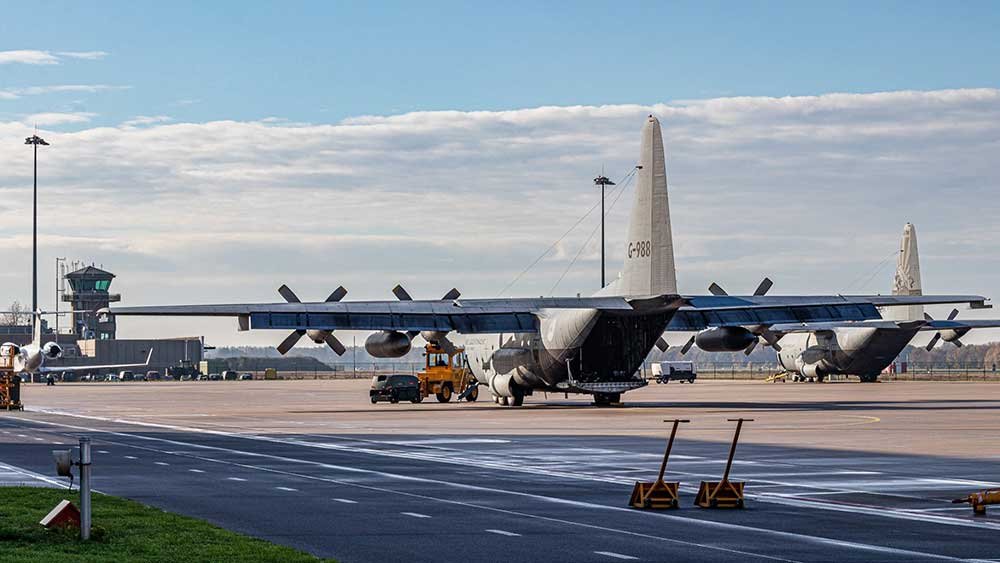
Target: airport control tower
[{"x": 88, "y": 293}]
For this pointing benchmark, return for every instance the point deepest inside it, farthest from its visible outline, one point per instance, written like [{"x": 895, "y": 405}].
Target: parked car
[
  {"x": 152, "y": 375},
  {"x": 395, "y": 388},
  {"x": 246, "y": 377},
  {"x": 186, "y": 377},
  {"x": 665, "y": 372},
  {"x": 214, "y": 377},
  {"x": 113, "y": 377},
  {"x": 139, "y": 377},
  {"x": 126, "y": 375},
  {"x": 230, "y": 375}
]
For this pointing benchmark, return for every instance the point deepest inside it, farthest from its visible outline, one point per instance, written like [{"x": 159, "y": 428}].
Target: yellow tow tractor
[{"x": 446, "y": 374}]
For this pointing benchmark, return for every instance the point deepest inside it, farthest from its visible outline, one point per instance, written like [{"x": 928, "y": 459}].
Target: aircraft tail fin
[
  {"x": 36, "y": 329},
  {"x": 907, "y": 278},
  {"x": 649, "y": 249}
]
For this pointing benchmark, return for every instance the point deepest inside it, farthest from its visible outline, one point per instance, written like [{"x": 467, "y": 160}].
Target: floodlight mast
[
  {"x": 34, "y": 140},
  {"x": 602, "y": 181}
]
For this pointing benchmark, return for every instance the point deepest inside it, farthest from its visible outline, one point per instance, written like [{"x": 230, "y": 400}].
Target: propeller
[
  {"x": 317, "y": 336},
  {"x": 949, "y": 335},
  {"x": 440, "y": 338},
  {"x": 763, "y": 333}
]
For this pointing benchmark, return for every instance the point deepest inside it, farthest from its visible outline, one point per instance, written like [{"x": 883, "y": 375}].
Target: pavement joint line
[
  {"x": 503, "y": 533},
  {"x": 614, "y": 555},
  {"x": 415, "y": 514},
  {"x": 694, "y": 521}
]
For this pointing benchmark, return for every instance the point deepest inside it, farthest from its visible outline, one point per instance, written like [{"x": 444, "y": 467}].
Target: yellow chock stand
[
  {"x": 724, "y": 493},
  {"x": 980, "y": 500},
  {"x": 658, "y": 495}
]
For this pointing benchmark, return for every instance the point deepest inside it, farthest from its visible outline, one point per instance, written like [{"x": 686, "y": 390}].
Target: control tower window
[{"x": 102, "y": 285}]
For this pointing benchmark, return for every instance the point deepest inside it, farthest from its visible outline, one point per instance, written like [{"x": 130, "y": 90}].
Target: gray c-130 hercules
[{"x": 591, "y": 345}]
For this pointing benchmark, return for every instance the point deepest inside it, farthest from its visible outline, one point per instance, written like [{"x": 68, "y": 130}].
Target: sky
[{"x": 209, "y": 152}]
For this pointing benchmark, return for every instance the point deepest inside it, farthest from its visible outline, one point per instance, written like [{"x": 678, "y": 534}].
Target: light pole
[
  {"x": 34, "y": 140},
  {"x": 602, "y": 181}
]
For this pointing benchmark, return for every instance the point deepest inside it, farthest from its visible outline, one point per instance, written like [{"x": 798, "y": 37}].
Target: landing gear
[
  {"x": 607, "y": 399},
  {"x": 518, "y": 398},
  {"x": 472, "y": 395}
]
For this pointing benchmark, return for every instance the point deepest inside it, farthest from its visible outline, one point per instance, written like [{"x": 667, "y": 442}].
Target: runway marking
[
  {"x": 346, "y": 500},
  {"x": 615, "y": 555},
  {"x": 818, "y": 540},
  {"x": 195, "y": 470},
  {"x": 288, "y": 489},
  {"x": 13, "y": 469},
  {"x": 415, "y": 514},
  {"x": 504, "y": 533},
  {"x": 161, "y": 463},
  {"x": 40, "y": 439},
  {"x": 240, "y": 479},
  {"x": 103, "y": 451},
  {"x": 22, "y": 436},
  {"x": 130, "y": 457}
]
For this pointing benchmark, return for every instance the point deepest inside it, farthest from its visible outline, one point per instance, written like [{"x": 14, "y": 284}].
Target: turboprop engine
[
  {"x": 725, "y": 339},
  {"x": 388, "y": 344},
  {"x": 51, "y": 350},
  {"x": 29, "y": 358}
]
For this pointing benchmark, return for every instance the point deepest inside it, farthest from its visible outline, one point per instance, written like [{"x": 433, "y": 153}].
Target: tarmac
[{"x": 834, "y": 472}]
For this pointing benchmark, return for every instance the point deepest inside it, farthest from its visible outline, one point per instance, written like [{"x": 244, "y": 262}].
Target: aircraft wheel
[
  {"x": 473, "y": 395},
  {"x": 504, "y": 401},
  {"x": 374, "y": 399},
  {"x": 517, "y": 400}
]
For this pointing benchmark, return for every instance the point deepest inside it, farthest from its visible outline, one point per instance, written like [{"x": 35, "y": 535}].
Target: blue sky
[{"x": 323, "y": 61}]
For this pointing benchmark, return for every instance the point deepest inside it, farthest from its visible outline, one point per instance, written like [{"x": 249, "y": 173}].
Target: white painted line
[
  {"x": 615, "y": 555},
  {"x": 504, "y": 533},
  {"x": 40, "y": 439},
  {"x": 240, "y": 479},
  {"x": 103, "y": 451},
  {"x": 22, "y": 435},
  {"x": 415, "y": 514},
  {"x": 130, "y": 457},
  {"x": 346, "y": 500},
  {"x": 289, "y": 489},
  {"x": 161, "y": 463},
  {"x": 195, "y": 470}
]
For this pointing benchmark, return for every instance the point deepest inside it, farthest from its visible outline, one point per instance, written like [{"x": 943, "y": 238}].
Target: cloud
[
  {"x": 811, "y": 191},
  {"x": 141, "y": 120},
  {"x": 56, "y": 118},
  {"x": 85, "y": 55},
  {"x": 28, "y": 57},
  {"x": 14, "y": 93},
  {"x": 35, "y": 57}
]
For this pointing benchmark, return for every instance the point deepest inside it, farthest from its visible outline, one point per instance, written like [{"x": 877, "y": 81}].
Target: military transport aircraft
[
  {"x": 592, "y": 345},
  {"x": 865, "y": 348}
]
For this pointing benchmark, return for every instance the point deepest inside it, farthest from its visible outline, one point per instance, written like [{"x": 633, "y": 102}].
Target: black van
[{"x": 395, "y": 388}]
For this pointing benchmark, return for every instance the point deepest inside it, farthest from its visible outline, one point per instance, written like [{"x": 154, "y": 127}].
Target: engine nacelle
[
  {"x": 507, "y": 360},
  {"x": 388, "y": 344},
  {"x": 501, "y": 385},
  {"x": 724, "y": 339},
  {"x": 951, "y": 335},
  {"x": 52, "y": 350}
]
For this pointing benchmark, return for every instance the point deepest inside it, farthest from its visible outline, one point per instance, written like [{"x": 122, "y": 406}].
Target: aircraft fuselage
[{"x": 861, "y": 351}]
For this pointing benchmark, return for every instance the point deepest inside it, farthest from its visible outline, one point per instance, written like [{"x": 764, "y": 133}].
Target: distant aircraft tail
[
  {"x": 907, "y": 278},
  {"x": 36, "y": 330},
  {"x": 649, "y": 249}
]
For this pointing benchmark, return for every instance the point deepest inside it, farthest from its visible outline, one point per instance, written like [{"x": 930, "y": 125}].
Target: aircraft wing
[
  {"x": 55, "y": 369},
  {"x": 788, "y": 328},
  {"x": 470, "y": 316},
  {"x": 701, "y": 312}
]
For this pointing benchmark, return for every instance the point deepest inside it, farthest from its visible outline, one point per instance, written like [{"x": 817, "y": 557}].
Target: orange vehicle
[{"x": 447, "y": 374}]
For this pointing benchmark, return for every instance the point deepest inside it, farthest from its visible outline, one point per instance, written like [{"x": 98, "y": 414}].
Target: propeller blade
[
  {"x": 452, "y": 295},
  {"x": 716, "y": 289},
  {"x": 763, "y": 288},
  {"x": 957, "y": 343},
  {"x": 749, "y": 349},
  {"x": 930, "y": 345},
  {"x": 337, "y": 295},
  {"x": 952, "y": 314},
  {"x": 290, "y": 341},
  {"x": 771, "y": 339},
  {"x": 288, "y": 294},
  {"x": 401, "y": 293},
  {"x": 662, "y": 344},
  {"x": 335, "y": 344},
  {"x": 412, "y": 333},
  {"x": 688, "y": 345},
  {"x": 928, "y": 317}
]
